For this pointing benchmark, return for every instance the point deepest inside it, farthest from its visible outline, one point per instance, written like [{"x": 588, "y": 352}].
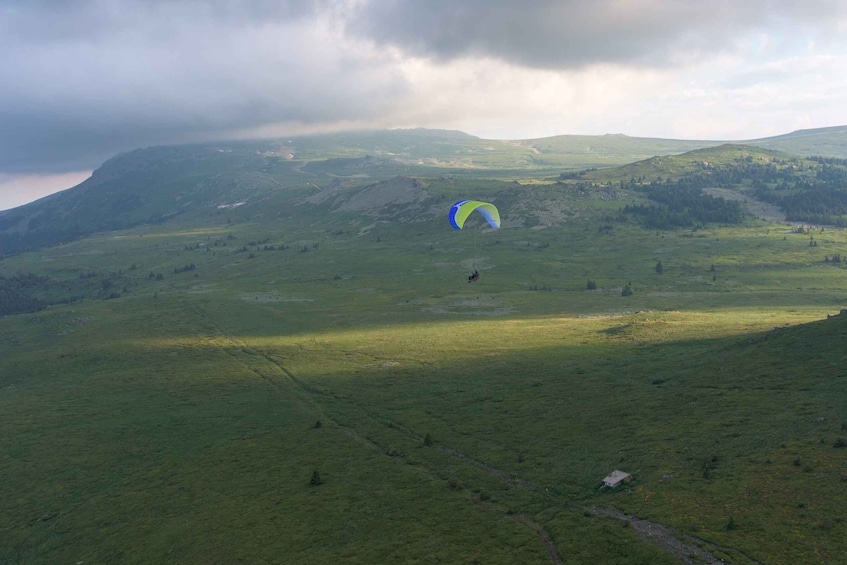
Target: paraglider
[{"x": 461, "y": 210}]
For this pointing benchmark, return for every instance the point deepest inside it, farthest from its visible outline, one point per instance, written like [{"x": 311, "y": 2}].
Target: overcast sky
[{"x": 84, "y": 80}]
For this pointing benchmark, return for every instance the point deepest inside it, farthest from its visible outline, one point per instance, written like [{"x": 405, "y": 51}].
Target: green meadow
[{"x": 323, "y": 387}]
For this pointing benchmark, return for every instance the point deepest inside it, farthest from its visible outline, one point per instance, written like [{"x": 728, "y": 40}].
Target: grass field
[{"x": 349, "y": 397}]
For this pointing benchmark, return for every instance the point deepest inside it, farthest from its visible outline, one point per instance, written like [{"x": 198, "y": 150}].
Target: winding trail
[
  {"x": 661, "y": 536},
  {"x": 272, "y": 371}
]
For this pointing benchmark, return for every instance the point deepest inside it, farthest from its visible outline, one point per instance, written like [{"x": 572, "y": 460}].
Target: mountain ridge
[{"x": 153, "y": 184}]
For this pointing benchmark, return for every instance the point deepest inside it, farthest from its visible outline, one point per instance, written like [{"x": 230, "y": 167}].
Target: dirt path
[
  {"x": 662, "y": 536},
  {"x": 259, "y": 362},
  {"x": 648, "y": 532},
  {"x": 299, "y": 168}
]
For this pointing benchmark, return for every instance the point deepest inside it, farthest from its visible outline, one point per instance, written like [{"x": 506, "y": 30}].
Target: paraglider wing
[{"x": 460, "y": 211}]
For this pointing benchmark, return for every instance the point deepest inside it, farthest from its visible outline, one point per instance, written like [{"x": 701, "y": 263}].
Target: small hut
[{"x": 615, "y": 479}]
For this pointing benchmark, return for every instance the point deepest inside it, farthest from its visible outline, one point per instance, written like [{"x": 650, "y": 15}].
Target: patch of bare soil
[
  {"x": 271, "y": 297},
  {"x": 757, "y": 208},
  {"x": 464, "y": 306},
  {"x": 331, "y": 190},
  {"x": 662, "y": 536},
  {"x": 399, "y": 190}
]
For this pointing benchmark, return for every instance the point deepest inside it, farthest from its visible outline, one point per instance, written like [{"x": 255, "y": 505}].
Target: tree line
[
  {"x": 812, "y": 191},
  {"x": 683, "y": 204},
  {"x": 16, "y": 294},
  {"x": 25, "y": 293}
]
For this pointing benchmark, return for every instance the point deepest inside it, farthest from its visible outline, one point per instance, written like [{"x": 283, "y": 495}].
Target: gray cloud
[
  {"x": 567, "y": 34},
  {"x": 84, "y": 80}
]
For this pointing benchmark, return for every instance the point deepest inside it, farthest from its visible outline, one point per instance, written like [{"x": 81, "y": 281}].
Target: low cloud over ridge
[{"x": 85, "y": 80}]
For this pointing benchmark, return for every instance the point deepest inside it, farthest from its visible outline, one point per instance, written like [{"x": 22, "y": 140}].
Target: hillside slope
[
  {"x": 155, "y": 184},
  {"x": 823, "y": 142}
]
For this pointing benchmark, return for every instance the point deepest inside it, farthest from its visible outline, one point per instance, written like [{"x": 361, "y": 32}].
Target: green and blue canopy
[{"x": 460, "y": 211}]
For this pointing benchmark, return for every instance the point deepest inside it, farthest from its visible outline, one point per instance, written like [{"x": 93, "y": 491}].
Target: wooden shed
[{"x": 615, "y": 478}]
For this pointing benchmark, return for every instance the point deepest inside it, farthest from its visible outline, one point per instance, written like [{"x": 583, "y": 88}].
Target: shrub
[{"x": 826, "y": 524}]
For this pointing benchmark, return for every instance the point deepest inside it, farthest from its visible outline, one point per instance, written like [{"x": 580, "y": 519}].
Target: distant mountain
[
  {"x": 610, "y": 149},
  {"x": 797, "y": 189},
  {"x": 822, "y": 142},
  {"x": 157, "y": 183},
  {"x": 143, "y": 186},
  {"x": 667, "y": 167}
]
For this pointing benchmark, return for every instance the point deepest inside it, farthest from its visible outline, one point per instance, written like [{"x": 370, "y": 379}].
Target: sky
[{"x": 85, "y": 80}]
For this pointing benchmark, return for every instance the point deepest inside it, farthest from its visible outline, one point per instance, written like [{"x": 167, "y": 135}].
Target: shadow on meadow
[
  {"x": 507, "y": 408},
  {"x": 212, "y": 429}
]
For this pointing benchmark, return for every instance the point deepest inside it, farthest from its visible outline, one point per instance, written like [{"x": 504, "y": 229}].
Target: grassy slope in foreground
[
  {"x": 197, "y": 441},
  {"x": 178, "y": 422}
]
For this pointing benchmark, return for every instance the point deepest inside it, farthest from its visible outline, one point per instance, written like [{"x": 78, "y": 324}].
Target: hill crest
[{"x": 153, "y": 184}]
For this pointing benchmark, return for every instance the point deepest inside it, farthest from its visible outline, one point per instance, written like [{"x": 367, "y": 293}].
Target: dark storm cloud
[
  {"x": 84, "y": 80},
  {"x": 567, "y": 34},
  {"x": 57, "y": 21}
]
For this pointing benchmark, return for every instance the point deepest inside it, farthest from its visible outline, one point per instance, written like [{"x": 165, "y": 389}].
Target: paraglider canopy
[{"x": 460, "y": 211}]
